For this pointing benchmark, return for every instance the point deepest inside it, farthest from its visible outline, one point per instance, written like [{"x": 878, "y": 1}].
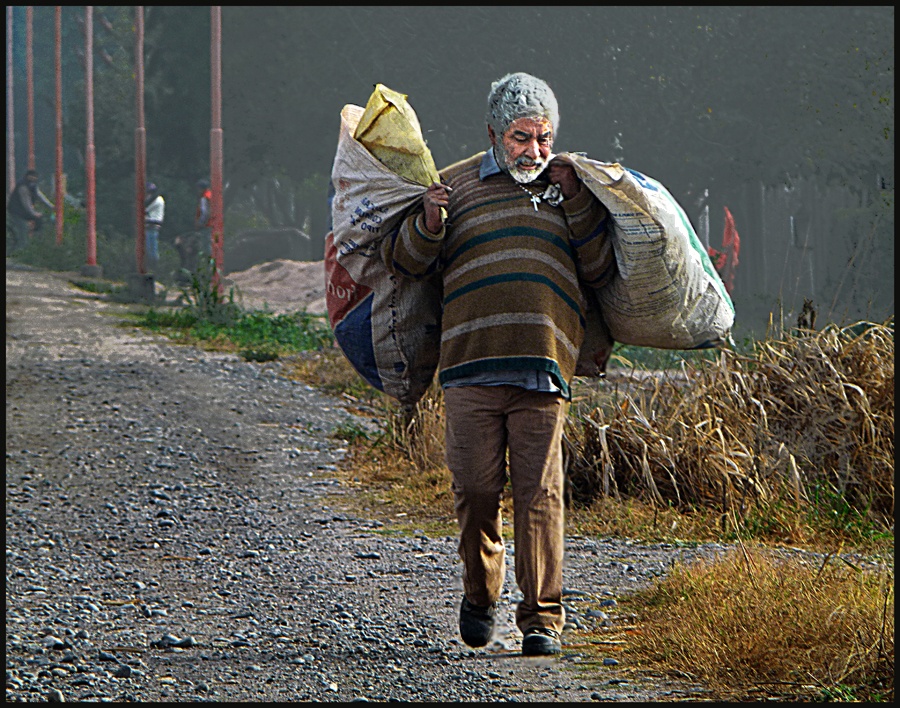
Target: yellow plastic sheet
[{"x": 390, "y": 130}]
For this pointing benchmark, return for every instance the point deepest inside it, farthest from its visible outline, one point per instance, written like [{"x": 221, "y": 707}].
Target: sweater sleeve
[
  {"x": 411, "y": 250},
  {"x": 589, "y": 227}
]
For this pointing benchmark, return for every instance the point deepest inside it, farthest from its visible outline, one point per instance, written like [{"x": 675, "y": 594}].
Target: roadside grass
[
  {"x": 788, "y": 443},
  {"x": 213, "y": 321},
  {"x": 754, "y": 624}
]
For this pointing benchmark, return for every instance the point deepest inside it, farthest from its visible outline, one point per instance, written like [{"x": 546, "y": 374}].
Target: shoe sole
[
  {"x": 551, "y": 652},
  {"x": 543, "y": 648}
]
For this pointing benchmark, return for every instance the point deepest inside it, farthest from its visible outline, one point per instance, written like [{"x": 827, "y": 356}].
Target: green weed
[
  {"x": 216, "y": 321},
  {"x": 351, "y": 432}
]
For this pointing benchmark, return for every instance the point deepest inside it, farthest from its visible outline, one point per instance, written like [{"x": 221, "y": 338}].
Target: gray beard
[{"x": 520, "y": 176}]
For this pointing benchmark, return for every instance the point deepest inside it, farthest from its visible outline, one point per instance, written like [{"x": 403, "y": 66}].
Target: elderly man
[{"x": 521, "y": 234}]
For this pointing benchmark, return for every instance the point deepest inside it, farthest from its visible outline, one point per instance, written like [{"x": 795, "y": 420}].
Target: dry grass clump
[
  {"x": 418, "y": 433},
  {"x": 763, "y": 622},
  {"x": 804, "y": 422}
]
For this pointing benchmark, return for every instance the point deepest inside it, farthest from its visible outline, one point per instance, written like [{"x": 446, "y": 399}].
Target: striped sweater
[{"x": 510, "y": 273}]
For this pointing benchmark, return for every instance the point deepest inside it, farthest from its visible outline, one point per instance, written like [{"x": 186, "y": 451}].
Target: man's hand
[
  {"x": 563, "y": 174},
  {"x": 436, "y": 197}
]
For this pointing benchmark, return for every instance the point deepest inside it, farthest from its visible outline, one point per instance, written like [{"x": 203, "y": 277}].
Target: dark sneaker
[
  {"x": 476, "y": 623},
  {"x": 541, "y": 641}
]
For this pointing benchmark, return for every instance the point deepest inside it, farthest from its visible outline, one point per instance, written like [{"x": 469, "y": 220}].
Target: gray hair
[{"x": 520, "y": 95}]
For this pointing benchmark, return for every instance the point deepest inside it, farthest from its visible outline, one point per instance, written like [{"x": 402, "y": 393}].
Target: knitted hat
[{"x": 520, "y": 95}]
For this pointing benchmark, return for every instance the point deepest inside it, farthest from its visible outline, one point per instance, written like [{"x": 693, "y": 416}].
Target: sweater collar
[{"x": 489, "y": 165}]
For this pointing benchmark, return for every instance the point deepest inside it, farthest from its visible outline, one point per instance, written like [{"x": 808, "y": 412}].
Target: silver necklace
[{"x": 552, "y": 195}]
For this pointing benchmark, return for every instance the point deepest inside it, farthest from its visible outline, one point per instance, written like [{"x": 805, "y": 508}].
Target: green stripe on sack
[{"x": 697, "y": 246}]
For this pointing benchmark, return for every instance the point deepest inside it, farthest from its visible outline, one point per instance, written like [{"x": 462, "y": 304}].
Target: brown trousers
[{"x": 484, "y": 423}]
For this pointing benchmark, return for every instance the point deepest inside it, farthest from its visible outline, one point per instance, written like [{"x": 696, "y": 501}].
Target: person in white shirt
[{"x": 154, "y": 212}]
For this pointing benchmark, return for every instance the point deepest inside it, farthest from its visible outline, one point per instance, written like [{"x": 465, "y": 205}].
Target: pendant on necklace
[
  {"x": 552, "y": 195},
  {"x": 535, "y": 198}
]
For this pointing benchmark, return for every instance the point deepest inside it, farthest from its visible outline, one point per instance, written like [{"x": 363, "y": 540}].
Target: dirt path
[{"x": 168, "y": 539}]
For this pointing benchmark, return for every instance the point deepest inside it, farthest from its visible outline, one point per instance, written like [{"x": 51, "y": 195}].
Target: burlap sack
[
  {"x": 387, "y": 327},
  {"x": 666, "y": 294}
]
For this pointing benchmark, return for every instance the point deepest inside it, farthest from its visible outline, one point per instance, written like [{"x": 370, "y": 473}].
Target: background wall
[{"x": 784, "y": 115}]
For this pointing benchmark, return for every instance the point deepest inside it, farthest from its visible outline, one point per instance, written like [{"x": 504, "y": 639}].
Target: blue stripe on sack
[
  {"x": 643, "y": 180},
  {"x": 513, "y": 278},
  {"x": 511, "y": 232},
  {"x": 354, "y": 335}
]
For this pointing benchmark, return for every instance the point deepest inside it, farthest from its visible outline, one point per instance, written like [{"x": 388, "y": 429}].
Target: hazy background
[{"x": 785, "y": 115}]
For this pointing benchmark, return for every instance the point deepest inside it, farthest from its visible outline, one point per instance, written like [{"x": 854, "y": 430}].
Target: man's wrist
[{"x": 426, "y": 232}]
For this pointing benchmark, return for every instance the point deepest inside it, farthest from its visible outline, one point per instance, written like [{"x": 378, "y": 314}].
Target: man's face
[{"x": 524, "y": 148}]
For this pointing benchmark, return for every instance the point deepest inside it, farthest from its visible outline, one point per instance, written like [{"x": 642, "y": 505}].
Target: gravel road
[{"x": 168, "y": 538}]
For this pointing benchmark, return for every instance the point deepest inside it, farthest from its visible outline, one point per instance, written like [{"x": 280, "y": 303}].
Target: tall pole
[
  {"x": 215, "y": 141},
  {"x": 10, "y": 112},
  {"x": 140, "y": 140},
  {"x": 90, "y": 268},
  {"x": 60, "y": 186},
  {"x": 29, "y": 80}
]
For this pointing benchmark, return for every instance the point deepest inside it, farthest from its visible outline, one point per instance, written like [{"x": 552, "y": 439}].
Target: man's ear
[{"x": 492, "y": 136}]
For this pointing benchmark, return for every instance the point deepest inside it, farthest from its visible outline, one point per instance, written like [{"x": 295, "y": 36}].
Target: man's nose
[{"x": 532, "y": 149}]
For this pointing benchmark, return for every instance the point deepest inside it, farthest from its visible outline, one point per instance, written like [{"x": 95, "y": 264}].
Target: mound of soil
[{"x": 281, "y": 286}]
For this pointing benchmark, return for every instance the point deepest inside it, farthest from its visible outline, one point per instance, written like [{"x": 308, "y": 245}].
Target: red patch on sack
[{"x": 342, "y": 293}]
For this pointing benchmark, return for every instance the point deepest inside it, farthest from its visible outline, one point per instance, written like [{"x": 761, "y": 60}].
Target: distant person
[
  {"x": 154, "y": 213},
  {"x": 20, "y": 207},
  {"x": 202, "y": 219},
  {"x": 192, "y": 244}
]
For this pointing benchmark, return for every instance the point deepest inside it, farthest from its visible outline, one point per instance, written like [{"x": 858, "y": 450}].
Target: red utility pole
[
  {"x": 90, "y": 268},
  {"x": 60, "y": 187},
  {"x": 29, "y": 80},
  {"x": 10, "y": 112},
  {"x": 140, "y": 141},
  {"x": 215, "y": 141}
]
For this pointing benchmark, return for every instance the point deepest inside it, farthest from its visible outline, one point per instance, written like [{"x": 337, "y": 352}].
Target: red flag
[
  {"x": 717, "y": 258},
  {"x": 731, "y": 245}
]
